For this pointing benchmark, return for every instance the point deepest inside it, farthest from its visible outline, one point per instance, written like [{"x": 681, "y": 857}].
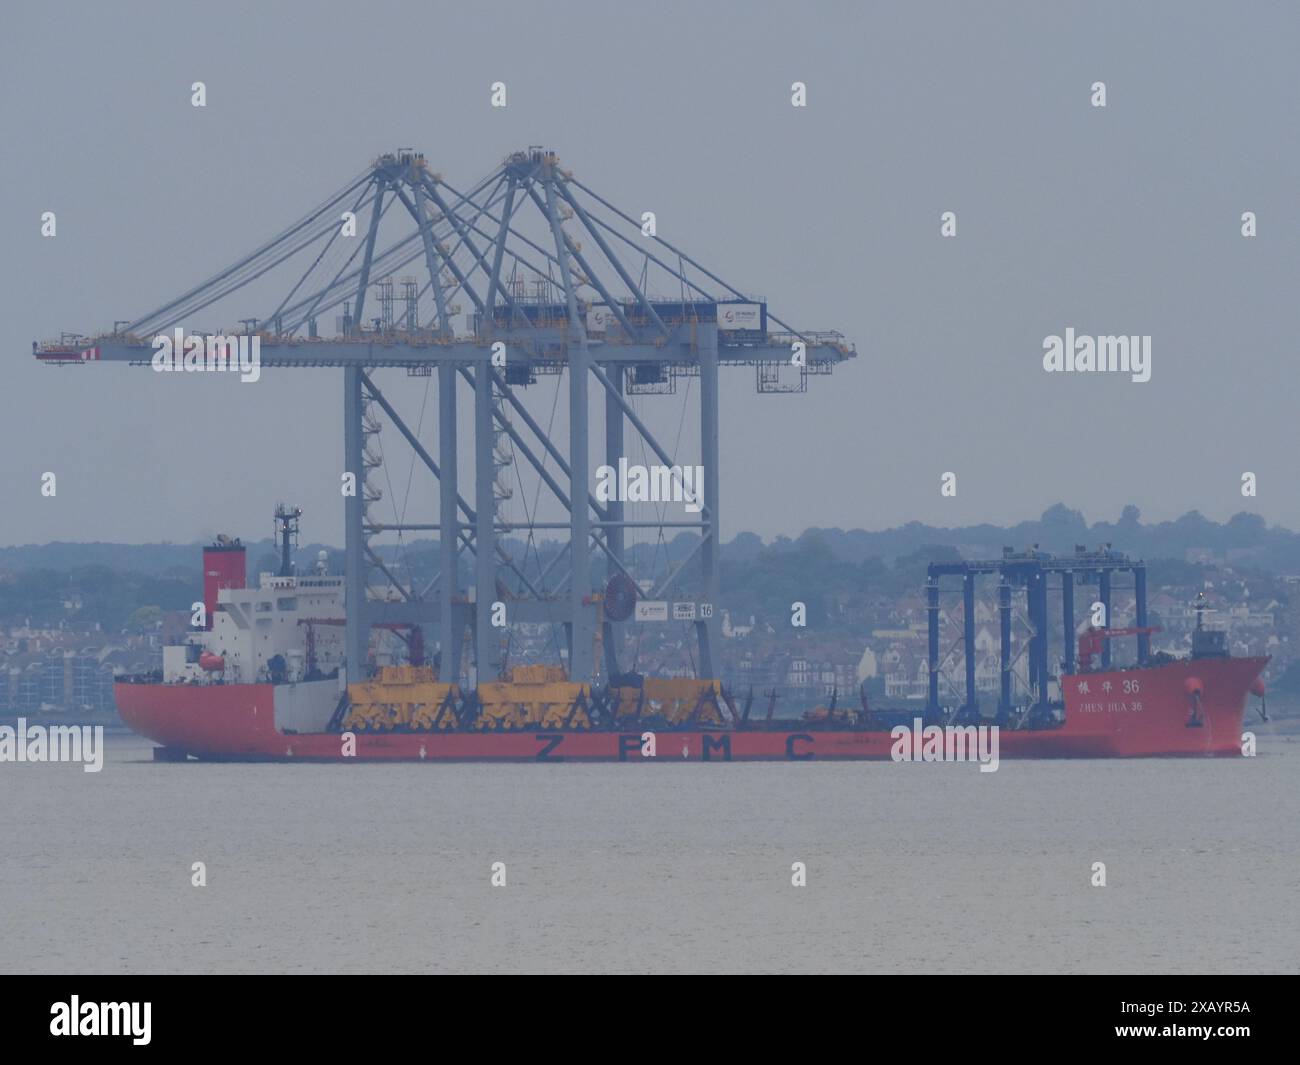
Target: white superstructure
[{"x": 285, "y": 629}]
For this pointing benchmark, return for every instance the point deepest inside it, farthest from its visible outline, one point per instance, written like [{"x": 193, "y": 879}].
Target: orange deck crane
[{"x": 1090, "y": 643}]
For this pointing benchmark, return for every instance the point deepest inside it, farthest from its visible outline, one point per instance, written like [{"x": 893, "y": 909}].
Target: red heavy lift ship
[{"x": 263, "y": 681}]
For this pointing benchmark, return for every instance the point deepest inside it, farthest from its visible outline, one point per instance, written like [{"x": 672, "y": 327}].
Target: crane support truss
[{"x": 541, "y": 302}]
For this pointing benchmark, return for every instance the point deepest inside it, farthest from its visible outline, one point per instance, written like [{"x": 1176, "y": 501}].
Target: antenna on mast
[{"x": 286, "y": 531}]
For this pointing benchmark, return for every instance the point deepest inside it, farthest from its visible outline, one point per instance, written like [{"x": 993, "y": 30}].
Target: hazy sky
[{"x": 1121, "y": 220}]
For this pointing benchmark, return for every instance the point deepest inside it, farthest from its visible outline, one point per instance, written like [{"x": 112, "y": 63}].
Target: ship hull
[{"x": 1121, "y": 713}]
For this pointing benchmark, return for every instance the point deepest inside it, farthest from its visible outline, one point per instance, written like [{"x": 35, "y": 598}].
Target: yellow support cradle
[
  {"x": 678, "y": 700},
  {"x": 401, "y": 697},
  {"x": 533, "y": 697}
]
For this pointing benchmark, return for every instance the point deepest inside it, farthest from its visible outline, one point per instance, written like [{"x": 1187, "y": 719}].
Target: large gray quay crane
[{"x": 557, "y": 280}]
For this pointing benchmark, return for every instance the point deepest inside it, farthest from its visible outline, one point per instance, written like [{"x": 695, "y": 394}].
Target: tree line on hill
[{"x": 109, "y": 583}]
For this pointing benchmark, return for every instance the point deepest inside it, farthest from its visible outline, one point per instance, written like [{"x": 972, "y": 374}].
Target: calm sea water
[{"x": 670, "y": 867}]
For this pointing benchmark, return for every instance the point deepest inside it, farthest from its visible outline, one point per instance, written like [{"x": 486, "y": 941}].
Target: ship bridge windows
[
  {"x": 264, "y": 607},
  {"x": 287, "y": 602}
]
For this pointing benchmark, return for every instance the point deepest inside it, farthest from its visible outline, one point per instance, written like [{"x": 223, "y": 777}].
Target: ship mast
[{"x": 286, "y": 531}]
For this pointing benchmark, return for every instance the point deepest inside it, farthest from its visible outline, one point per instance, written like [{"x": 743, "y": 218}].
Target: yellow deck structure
[
  {"x": 680, "y": 700},
  {"x": 533, "y": 697},
  {"x": 402, "y": 697}
]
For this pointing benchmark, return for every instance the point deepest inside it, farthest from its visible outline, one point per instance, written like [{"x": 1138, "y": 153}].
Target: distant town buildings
[{"x": 71, "y": 670}]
